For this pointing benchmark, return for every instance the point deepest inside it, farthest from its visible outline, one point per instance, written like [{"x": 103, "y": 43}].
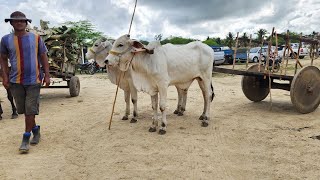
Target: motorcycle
[
  {"x": 277, "y": 63},
  {"x": 89, "y": 68}
]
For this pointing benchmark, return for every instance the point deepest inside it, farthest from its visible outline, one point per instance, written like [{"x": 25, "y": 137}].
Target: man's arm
[
  {"x": 45, "y": 65},
  {"x": 5, "y": 70}
]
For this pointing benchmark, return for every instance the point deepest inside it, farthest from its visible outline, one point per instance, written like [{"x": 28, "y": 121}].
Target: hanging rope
[{"x": 134, "y": 10}]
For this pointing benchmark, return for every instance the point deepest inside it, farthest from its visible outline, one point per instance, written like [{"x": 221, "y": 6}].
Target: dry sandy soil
[{"x": 244, "y": 140}]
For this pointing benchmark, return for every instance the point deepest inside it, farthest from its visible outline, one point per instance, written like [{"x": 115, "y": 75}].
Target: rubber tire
[
  {"x": 74, "y": 86},
  {"x": 91, "y": 70}
]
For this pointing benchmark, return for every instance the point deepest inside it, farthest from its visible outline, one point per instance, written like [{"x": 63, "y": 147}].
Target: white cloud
[{"x": 186, "y": 18}]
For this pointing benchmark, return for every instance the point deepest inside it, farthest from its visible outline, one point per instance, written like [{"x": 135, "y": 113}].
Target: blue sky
[{"x": 187, "y": 18}]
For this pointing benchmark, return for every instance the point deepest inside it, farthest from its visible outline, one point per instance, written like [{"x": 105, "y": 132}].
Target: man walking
[{"x": 27, "y": 53}]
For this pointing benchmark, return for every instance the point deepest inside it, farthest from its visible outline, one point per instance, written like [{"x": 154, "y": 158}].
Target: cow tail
[{"x": 212, "y": 95}]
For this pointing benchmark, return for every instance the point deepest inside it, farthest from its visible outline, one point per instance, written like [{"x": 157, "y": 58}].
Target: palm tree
[
  {"x": 229, "y": 40},
  {"x": 314, "y": 33},
  {"x": 244, "y": 40},
  {"x": 261, "y": 34},
  {"x": 218, "y": 40},
  {"x": 158, "y": 37}
]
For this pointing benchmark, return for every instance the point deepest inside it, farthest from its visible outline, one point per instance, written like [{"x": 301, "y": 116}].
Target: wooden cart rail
[{"x": 248, "y": 73}]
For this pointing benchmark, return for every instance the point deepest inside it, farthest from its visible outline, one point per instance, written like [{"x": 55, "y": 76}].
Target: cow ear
[
  {"x": 137, "y": 44},
  {"x": 139, "y": 47}
]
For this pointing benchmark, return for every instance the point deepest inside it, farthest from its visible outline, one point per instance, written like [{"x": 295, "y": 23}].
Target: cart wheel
[
  {"x": 255, "y": 87},
  {"x": 305, "y": 89},
  {"x": 74, "y": 86}
]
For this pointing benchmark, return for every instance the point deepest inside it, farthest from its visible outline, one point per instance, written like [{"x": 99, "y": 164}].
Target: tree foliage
[
  {"x": 177, "y": 40},
  {"x": 211, "y": 42},
  {"x": 261, "y": 34},
  {"x": 244, "y": 40},
  {"x": 86, "y": 32},
  {"x": 229, "y": 41}
]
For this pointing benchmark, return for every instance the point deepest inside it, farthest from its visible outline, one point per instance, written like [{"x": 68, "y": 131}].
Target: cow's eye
[
  {"x": 120, "y": 45},
  {"x": 96, "y": 45}
]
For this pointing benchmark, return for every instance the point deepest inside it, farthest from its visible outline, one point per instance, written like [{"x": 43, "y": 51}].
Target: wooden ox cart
[{"x": 304, "y": 85}]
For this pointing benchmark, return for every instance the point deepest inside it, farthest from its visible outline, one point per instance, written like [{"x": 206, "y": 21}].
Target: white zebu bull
[
  {"x": 99, "y": 52},
  {"x": 152, "y": 71}
]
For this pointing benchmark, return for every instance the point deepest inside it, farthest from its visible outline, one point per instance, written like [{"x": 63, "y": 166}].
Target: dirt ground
[{"x": 244, "y": 140}]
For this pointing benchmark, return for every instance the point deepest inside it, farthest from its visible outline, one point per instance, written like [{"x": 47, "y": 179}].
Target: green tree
[
  {"x": 144, "y": 42},
  {"x": 261, "y": 34},
  {"x": 85, "y": 30},
  {"x": 218, "y": 40},
  {"x": 229, "y": 40},
  {"x": 244, "y": 40},
  {"x": 211, "y": 42},
  {"x": 314, "y": 33},
  {"x": 158, "y": 37},
  {"x": 177, "y": 40}
]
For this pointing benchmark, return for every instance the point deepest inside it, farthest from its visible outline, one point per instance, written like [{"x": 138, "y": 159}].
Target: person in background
[{"x": 27, "y": 53}]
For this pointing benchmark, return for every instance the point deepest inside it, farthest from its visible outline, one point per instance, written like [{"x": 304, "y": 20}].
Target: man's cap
[{"x": 17, "y": 15}]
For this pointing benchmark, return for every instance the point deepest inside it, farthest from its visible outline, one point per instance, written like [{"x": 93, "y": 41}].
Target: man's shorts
[{"x": 26, "y": 97}]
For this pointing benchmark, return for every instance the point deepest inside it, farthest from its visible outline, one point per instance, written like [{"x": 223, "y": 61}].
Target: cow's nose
[{"x": 106, "y": 61}]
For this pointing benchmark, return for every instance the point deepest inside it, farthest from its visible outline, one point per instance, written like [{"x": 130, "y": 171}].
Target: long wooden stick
[
  {"x": 115, "y": 98},
  {"x": 276, "y": 52},
  {"x": 284, "y": 52},
  {"x": 134, "y": 10},
  {"x": 248, "y": 51},
  {"x": 270, "y": 91},
  {"x": 296, "y": 65},
  {"x": 118, "y": 82},
  {"x": 260, "y": 53},
  {"x": 269, "y": 51},
  {"x": 235, "y": 51}
]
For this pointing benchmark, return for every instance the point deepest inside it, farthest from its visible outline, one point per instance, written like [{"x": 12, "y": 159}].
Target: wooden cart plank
[{"x": 246, "y": 73}]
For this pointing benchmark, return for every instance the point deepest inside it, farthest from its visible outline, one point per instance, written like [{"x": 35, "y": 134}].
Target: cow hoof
[
  {"x": 175, "y": 112},
  {"x": 180, "y": 113},
  {"x": 152, "y": 129},
  {"x": 14, "y": 116},
  {"x": 125, "y": 118},
  {"x": 203, "y": 117},
  {"x": 162, "y": 132},
  {"x": 133, "y": 120},
  {"x": 0, "y": 117},
  {"x": 204, "y": 124}
]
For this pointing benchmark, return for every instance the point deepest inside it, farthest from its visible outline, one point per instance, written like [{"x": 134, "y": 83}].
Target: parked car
[
  {"x": 303, "y": 51},
  {"x": 255, "y": 53},
  {"x": 241, "y": 55},
  {"x": 218, "y": 55}
]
